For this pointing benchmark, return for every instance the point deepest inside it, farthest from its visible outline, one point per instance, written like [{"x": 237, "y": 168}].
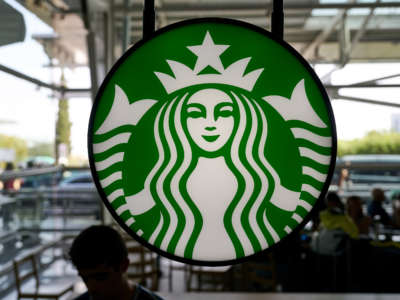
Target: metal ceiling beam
[
  {"x": 28, "y": 78},
  {"x": 293, "y": 35},
  {"x": 172, "y": 19},
  {"x": 358, "y": 85},
  {"x": 361, "y": 31},
  {"x": 349, "y": 5},
  {"x": 304, "y": 21},
  {"x": 373, "y": 81},
  {"x": 91, "y": 46},
  {"x": 126, "y": 39},
  {"x": 220, "y": 13},
  {"x": 359, "y": 34},
  {"x": 326, "y": 79},
  {"x": 202, "y": 6},
  {"x": 344, "y": 40},
  {"x": 261, "y": 22},
  {"x": 84, "y": 93},
  {"x": 308, "y": 51},
  {"x": 370, "y": 35},
  {"x": 111, "y": 36},
  {"x": 162, "y": 18},
  {"x": 40, "y": 83},
  {"x": 367, "y": 101}
]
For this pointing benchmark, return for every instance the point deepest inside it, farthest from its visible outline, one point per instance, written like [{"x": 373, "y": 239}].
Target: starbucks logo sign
[{"x": 211, "y": 141}]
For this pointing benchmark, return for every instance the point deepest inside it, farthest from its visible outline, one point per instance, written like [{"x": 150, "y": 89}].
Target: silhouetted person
[
  {"x": 335, "y": 229},
  {"x": 335, "y": 218},
  {"x": 331, "y": 244},
  {"x": 101, "y": 258},
  {"x": 343, "y": 179},
  {"x": 375, "y": 208},
  {"x": 396, "y": 209},
  {"x": 355, "y": 212}
]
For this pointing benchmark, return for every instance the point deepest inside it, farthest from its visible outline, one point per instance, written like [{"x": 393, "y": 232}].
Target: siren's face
[{"x": 210, "y": 119}]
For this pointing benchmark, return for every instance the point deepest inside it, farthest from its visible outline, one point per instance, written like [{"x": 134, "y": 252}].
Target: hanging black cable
[
  {"x": 277, "y": 19},
  {"x": 149, "y": 18}
]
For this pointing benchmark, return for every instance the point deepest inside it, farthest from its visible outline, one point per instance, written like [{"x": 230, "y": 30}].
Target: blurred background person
[
  {"x": 396, "y": 209},
  {"x": 334, "y": 217},
  {"x": 343, "y": 180},
  {"x": 335, "y": 228},
  {"x": 376, "y": 210},
  {"x": 355, "y": 212}
]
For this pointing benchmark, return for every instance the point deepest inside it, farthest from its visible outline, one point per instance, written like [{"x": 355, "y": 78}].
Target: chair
[
  {"x": 256, "y": 275},
  {"x": 175, "y": 266},
  {"x": 143, "y": 266},
  {"x": 26, "y": 270},
  {"x": 209, "y": 279},
  {"x": 332, "y": 248},
  {"x": 260, "y": 276}
]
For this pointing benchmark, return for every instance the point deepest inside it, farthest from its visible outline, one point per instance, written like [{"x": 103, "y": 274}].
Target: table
[{"x": 276, "y": 296}]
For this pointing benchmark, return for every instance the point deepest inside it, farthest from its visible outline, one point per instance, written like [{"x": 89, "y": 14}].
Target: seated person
[
  {"x": 355, "y": 212},
  {"x": 333, "y": 217},
  {"x": 396, "y": 209},
  {"x": 376, "y": 210},
  {"x": 335, "y": 228},
  {"x": 101, "y": 258}
]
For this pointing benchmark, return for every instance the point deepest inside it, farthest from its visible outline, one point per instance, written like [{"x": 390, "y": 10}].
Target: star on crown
[{"x": 208, "y": 54}]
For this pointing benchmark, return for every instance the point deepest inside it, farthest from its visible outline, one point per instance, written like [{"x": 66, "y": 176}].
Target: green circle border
[{"x": 232, "y": 22}]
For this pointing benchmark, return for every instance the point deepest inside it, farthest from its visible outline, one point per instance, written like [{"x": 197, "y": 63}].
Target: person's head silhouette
[{"x": 101, "y": 258}]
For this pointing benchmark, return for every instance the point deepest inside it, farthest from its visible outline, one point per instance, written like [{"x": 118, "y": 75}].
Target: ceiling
[
  {"x": 97, "y": 32},
  {"x": 334, "y": 31}
]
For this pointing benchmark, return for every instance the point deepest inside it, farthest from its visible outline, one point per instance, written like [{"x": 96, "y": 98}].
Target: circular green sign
[{"x": 211, "y": 141}]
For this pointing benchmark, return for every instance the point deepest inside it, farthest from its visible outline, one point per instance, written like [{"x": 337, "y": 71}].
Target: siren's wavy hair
[{"x": 181, "y": 221}]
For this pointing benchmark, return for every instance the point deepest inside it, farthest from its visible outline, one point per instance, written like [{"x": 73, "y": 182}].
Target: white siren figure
[{"x": 216, "y": 220}]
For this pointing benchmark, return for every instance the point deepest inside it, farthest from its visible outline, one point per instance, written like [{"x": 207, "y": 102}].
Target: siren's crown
[{"x": 208, "y": 55}]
